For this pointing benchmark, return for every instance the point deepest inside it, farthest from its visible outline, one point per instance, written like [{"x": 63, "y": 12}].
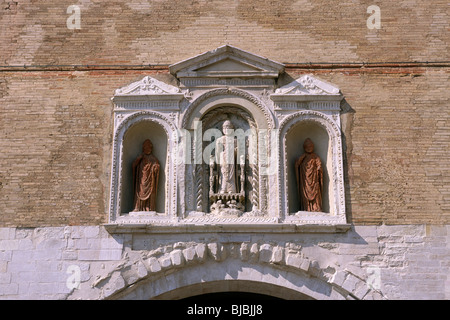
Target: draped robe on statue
[
  {"x": 146, "y": 175},
  {"x": 226, "y": 147},
  {"x": 309, "y": 173},
  {"x": 227, "y": 162}
]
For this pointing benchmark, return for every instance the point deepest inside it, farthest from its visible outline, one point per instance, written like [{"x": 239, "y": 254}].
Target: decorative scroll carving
[
  {"x": 309, "y": 85},
  {"x": 147, "y": 86},
  {"x": 199, "y": 185},
  {"x": 255, "y": 177}
]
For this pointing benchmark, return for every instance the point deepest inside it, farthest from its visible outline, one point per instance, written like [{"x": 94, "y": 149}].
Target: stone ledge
[{"x": 226, "y": 227}]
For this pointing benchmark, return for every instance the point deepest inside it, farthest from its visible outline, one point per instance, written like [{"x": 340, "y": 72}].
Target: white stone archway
[
  {"x": 240, "y": 286},
  {"x": 229, "y": 275},
  {"x": 174, "y": 270}
]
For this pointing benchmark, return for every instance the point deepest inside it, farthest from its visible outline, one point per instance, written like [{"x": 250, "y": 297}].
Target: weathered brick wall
[
  {"x": 56, "y": 126},
  {"x": 167, "y": 31},
  {"x": 57, "y": 131},
  {"x": 396, "y": 125}
]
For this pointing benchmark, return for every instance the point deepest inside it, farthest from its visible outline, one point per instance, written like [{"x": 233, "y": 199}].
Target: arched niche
[
  {"x": 244, "y": 122},
  {"x": 326, "y": 135},
  {"x": 295, "y": 138},
  {"x": 132, "y": 147},
  {"x": 129, "y": 136},
  {"x": 206, "y": 103}
]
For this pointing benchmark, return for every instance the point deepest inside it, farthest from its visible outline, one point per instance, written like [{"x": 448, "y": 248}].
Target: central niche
[{"x": 229, "y": 162}]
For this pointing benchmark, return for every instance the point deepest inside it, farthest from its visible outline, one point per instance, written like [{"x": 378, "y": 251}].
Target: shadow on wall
[{"x": 347, "y": 118}]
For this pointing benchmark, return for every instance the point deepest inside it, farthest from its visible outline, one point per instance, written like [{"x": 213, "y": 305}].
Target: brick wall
[
  {"x": 155, "y": 32},
  {"x": 397, "y": 130},
  {"x": 56, "y": 146},
  {"x": 56, "y": 126},
  {"x": 57, "y": 129}
]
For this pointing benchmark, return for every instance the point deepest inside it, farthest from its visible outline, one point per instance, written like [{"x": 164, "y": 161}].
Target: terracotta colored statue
[
  {"x": 309, "y": 173},
  {"x": 145, "y": 179}
]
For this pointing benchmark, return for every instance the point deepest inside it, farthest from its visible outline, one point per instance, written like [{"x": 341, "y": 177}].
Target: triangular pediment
[
  {"x": 308, "y": 85},
  {"x": 228, "y": 65},
  {"x": 148, "y": 92},
  {"x": 147, "y": 86},
  {"x": 227, "y": 62},
  {"x": 307, "y": 89}
]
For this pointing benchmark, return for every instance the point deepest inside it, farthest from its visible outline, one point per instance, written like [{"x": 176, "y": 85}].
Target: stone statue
[
  {"x": 229, "y": 199},
  {"x": 226, "y": 148},
  {"x": 309, "y": 173},
  {"x": 145, "y": 179}
]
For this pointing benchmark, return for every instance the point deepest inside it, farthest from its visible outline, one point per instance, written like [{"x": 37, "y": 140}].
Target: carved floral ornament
[
  {"x": 146, "y": 86},
  {"x": 175, "y": 108},
  {"x": 308, "y": 84}
]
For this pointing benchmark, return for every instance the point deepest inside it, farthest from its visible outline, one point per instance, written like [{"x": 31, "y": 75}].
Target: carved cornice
[
  {"x": 148, "y": 93},
  {"x": 146, "y": 86},
  {"x": 308, "y": 88},
  {"x": 235, "y": 225}
]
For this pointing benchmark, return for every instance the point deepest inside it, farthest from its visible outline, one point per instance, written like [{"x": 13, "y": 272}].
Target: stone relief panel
[
  {"x": 226, "y": 155},
  {"x": 232, "y": 172}
]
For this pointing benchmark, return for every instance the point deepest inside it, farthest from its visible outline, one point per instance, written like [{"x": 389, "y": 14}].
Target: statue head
[
  {"x": 227, "y": 126},
  {"x": 147, "y": 147},
  {"x": 308, "y": 146}
]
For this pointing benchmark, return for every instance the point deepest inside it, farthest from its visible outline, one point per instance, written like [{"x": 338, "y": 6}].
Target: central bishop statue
[
  {"x": 226, "y": 149},
  {"x": 227, "y": 194}
]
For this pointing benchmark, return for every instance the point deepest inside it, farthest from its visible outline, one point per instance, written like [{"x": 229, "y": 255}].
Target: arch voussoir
[{"x": 149, "y": 266}]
